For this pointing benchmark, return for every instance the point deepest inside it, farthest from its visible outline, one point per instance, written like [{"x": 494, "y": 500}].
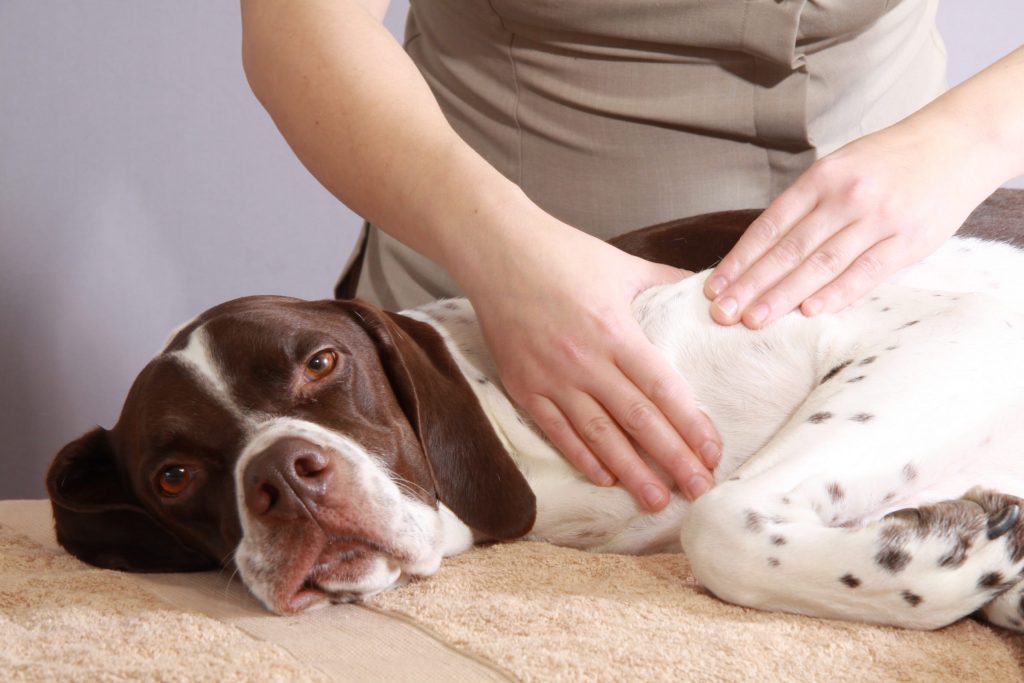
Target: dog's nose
[{"x": 287, "y": 479}]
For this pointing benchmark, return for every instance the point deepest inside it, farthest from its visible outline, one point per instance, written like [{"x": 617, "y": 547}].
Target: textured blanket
[{"x": 515, "y": 611}]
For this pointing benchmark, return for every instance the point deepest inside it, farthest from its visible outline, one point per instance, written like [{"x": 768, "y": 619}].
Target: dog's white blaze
[
  {"x": 175, "y": 332},
  {"x": 199, "y": 359}
]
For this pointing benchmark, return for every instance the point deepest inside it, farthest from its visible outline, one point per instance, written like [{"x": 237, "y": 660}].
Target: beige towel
[
  {"x": 59, "y": 619},
  {"x": 554, "y": 614},
  {"x": 540, "y": 612}
]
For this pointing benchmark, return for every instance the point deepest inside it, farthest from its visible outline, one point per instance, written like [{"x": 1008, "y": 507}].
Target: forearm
[
  {"x": 986, "y": 114},
  {"x": 359, "y": 115}
]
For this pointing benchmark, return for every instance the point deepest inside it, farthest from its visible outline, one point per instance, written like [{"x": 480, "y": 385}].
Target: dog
[{"x": 872, "y": 465}]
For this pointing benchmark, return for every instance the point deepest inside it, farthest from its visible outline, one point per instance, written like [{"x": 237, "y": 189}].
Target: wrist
[
  {"x": 489, "y": 229},
  {"x": 985, "y": 114}
]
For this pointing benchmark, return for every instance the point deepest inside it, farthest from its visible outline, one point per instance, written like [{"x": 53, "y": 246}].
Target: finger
[
  {"x": 688, "y": 433},
  {"x": 601, "y": 435},
  {"x": 867, "y": 271},
  {"x": 761, "y": 235},
  {"x": 644, "y": 422},
  {"x": 821, "y": 266},
  {"x": 556, "y": 426},
  {"x": 742, "y": 300}
]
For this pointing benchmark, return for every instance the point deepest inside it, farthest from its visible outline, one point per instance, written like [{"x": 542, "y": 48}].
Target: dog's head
[{"x": 321, "y": 446}]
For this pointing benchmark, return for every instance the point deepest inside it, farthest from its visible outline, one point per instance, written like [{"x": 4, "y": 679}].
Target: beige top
[{"x": 616, "y": 114}]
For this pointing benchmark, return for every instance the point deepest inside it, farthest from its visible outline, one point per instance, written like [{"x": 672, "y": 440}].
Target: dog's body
[{"x": 332, "y": 488}]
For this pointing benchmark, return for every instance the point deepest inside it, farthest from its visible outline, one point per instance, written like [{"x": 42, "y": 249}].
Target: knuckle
[
  {"x": 571, "y": 349},
  {"x": 826, "y": 262},
  {"x": 789, "y": 252},
  {"x": 862, "y": 191},
  {"x": 664, "y": 389},
  {"x": 765, "y": 229},
  {"x": 825, "y": 170},
  {"x": 555, "y": 426},
  {"x": 580, "y": 457},
  {"x": 868, "y": 267},
  {"x": 610, "y": 326},
  {"x": 640, "y": 417},
  {"x": 597, "y": 430}
]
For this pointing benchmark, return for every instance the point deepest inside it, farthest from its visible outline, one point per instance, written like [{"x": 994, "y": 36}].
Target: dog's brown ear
[
  {"x": 473, "y": 473},
  {"x": 99, "y": 520}
]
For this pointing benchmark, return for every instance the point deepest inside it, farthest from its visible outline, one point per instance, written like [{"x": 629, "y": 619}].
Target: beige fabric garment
[{"x": 616, "y": 114}]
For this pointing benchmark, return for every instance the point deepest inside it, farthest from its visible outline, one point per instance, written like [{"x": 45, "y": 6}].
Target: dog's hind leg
[{"x": 917, "y": 568}]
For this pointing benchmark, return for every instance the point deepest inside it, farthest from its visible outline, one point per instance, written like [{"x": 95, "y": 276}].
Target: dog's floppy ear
[
  {"x": 99, "y": 520},
  {"x": 473, "y": 474}
]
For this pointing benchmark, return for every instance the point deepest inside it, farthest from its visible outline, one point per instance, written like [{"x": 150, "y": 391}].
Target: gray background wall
[{"x": 140, "y": 182}]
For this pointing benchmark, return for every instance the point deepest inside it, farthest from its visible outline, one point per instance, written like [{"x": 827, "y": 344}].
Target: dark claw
[
  {"x": 912, "y": 515},
  {"x": 1003, "y": 521}
]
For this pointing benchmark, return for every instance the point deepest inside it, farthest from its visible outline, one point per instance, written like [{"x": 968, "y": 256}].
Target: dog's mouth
[
  {"x": 338, "y": 529},
  {"x": 347, "y": 569}
]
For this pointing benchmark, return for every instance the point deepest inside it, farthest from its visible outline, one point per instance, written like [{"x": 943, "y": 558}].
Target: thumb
[{"x": 660, "y": 274}]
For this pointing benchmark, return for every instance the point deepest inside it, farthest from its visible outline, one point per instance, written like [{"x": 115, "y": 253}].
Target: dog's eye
[
  {"x": 320, "y": 365},
  {"x": 174, "y": 480}
]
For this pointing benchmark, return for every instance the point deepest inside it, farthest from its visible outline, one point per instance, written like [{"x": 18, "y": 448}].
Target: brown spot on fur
[
  {"x": 909, "y": 472},
  {"x": 754, "y": 521},
  {"x": 862, "y": 417},
  {"x": 778, "y": 540},
  {"x": 990, "y": 580},
  {"x": 868, "y": 361},
  {"x": 856, "y": 379},
  {"x": 912, "y": 599},
  {"x": 893, "y": 560},
  {"x": 834, "y": 371},
  {"x": 818, "y": 418},
  {"x": 835, "y": 492},
  {"x": 850, "y": 580},
  {"x": 891, "y": 555},
  {"x": 906, "y": 325},
  {"x": 773, "y": 562}
]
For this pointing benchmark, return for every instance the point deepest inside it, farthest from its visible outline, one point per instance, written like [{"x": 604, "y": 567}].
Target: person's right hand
[{"x": 558, "y": 322}]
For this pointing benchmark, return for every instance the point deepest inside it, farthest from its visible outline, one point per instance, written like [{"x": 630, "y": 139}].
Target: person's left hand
[{"x": 850, "y": 221}]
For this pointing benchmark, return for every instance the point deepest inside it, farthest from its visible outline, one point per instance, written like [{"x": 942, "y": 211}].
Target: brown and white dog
[{"x": 331, "y": 450}]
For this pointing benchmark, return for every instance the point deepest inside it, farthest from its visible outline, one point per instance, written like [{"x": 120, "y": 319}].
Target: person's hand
[
  {"x": 850, "y": 221},
  {"x": 557, "y": 320}
]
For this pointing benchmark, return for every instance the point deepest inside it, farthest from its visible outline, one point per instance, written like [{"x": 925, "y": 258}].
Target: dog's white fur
[{"x": 926, "y": 404}]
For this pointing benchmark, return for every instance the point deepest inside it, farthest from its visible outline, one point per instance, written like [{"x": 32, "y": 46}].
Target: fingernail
[
  {"x": 711, "y": 453},
  {"x": 813, "y": 306},
  {"x": 717, "y": 284},
  {"x": 697, "y": 486},
  {"x": 603, "y": 478},
  {"x": 759, "y": 314},
  {"x": 653, "y": 496},
  {"x": 728, "y": 306}
]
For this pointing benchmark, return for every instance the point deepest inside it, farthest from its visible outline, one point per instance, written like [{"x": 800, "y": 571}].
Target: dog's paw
[{"x": 975, "y": 545}]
